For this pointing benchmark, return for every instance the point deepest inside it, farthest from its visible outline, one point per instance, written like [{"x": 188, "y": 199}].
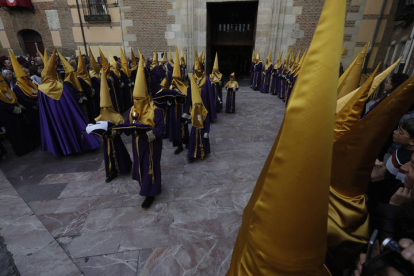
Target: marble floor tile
[
  {"x": 203, "y": 258},
  {"x": 124, "y": 218},
  {"x": 201, "y": 209},
  {"x": 124, "y": 264},
  {"x": 83, "y": 204},
  {"x": 44, "y": 207},
  {"x": 91, "y": 244},
  {"x": 136, "y": 200},
  {"x": 48, "y": 261},
  {"x": 195, "y": 231},
  {"x": 87, "y": 189},
  {"x": 143, "y": 238},
  {"x": 206, "y": 166},
  {"x": 172, "y": 181},
  {"x": 64, "y": 224},
  {"x": 66, "y": 177},
  {"x": 199, "y": 192}
]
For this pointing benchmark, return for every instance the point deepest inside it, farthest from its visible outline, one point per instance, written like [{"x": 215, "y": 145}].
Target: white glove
[
  {"x": 150, "y": 135},
  {"x": 186, "y": 115},
  {"x": 17, "y": 110},
  {"x": 169, "y": 103},
  {"x": 206, "y": 135}
]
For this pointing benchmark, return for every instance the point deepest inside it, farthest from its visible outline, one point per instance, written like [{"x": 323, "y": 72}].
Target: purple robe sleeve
[
  {"x": 23, "y": 99},
  {"x": 159, "y": 128}
]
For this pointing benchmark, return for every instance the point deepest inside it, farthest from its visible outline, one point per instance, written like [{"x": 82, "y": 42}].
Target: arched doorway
[{"x": 30, "y": 41}]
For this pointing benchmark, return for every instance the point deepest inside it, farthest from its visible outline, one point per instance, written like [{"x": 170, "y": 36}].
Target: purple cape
[{"x": 62, "y": 124}]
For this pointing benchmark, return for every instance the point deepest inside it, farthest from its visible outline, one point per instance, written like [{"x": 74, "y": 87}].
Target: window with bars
[{"x": 95, "y": 11}]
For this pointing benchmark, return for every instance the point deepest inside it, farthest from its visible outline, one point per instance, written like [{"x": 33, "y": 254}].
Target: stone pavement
[{"x": 65, "y": 220}]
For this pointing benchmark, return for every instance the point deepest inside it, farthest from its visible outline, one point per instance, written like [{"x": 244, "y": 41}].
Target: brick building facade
[{"x": 163, "y": 24}]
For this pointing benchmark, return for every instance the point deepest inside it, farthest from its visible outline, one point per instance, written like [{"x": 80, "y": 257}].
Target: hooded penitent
[
  {"x": 82, "y": 71},
  {"x": 107, "y": 110},
  {"x": 134, "y": 64},
  {"x": 105, "y": 65},
  {"x": 199, "y": 75},
  {"x": 154, "y": 59},
  {"x": 50, "y": 86},
  {"x": 28, "y": 88},
  {"x": 70, "y": 74},
  {"x": 94, "y": 67},
  {"x": 114, "y": 66},
  {"x": 143, "y": 104},
  {"x": 176, "y": 76},
  {"x": 182, "y": 58},
  {"x": 198, "y": 112},
  {"x": 6, "y": 95},
  {"x": 215, "y": 76},
  {"x": 124, "y": 63}
]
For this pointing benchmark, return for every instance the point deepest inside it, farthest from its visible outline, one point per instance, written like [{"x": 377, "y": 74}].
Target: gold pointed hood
[
  {"x": 216, "y": 76},
  {"x": 268, "y": 60},
  {"x": 182, "y": 58},
  {"x": 45, "y": 57},
  {"x": 164, "y": 58},
  {"x": 377, "y": 81},
  {"x": 177, "y": 81},
  {"x": 154, "y": 59},
  {"x": 349, "y": 81},
  {"x": 94, "y": 67},
  {"x": 198, "y": 112},
  {"x": 279, "y": 236},
  {"x": 70, "y": 74},
  {"x": 107, "y": 112},
  {"x": 171, "y": 60},
  {"x": 232, "y": 83},
  {"x": 134, "y": 64},
  {"x": 297, "y": 69},
  {"x": 50, "y": 86},
  {"x": 82, "y": 71},
  {"x": 253, "y": 57},
  {"x": 114, "y": 66},
  {"x": 343, "y": 50},
  {"x": 143, "y": 105},
  {"x": 124, "y": 63},
  {"x": 6, "y": 94},
  {"x": 199, "y": 75},
  {"x": 279, "y": 60},
  {"x": 105, "y": 65},
  {"x": 41, "y": 56},
  {"x": 23, "y": 82},
  {"x": 258, "y": 57}
]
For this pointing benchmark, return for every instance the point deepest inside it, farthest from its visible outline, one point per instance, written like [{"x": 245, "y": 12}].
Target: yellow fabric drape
[
  {"x": 377, "y": 81},
  {"x": 94, "y": 67},
  {"x": 143, "y": 105},
  {"x": 280, "y": 233},
  {"x": 198, "y": 112},
  {"x": 6, "y": 95},
  {"x": 50, "y": 86},
  {"x": 82, "y": 71},
  {"x": 107, "y": 112}
]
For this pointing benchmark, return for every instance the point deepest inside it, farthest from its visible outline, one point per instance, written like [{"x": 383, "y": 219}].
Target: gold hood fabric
[
  {"x": 353, "y": 159},
  {"x": 176, "y": 76},
  {"x": 82, "y": 71},
  {"x": 154, "y": 60},
  {"x": 94, "y": 67},
  {"x": 70, "y": 74},
  {"x": 377, "y": 81},
  {"x": 50, "y": 86},
  {"x": 285, "y": 222},
  {"x": 23, "y": 82},
  {"x": 134, "y": 64},
  {"x": 349, "y": 81},
  {"x": 268, "y": 60},
  {"x": 198, "y": 111},
  {"x": 182, "y": 58},
  {"x": 199, "y": 76},
  {"x": 113, "y": 65},
  {"x": 216, "y": 76},
  {"x": 105, "y": 65},
  {"x": 107, "y": 110},
  {"x": 124, "y": 62},
  {"x": 230, "y": 83},
  {"x": 6, "y": 95},
  {"x": 143, "y": 105}
]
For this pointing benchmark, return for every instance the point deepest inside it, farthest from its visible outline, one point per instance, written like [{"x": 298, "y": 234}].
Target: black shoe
[
  {"x": 190, "y": 160},
  {"x": 186, "y": 146},
  {"x": 147, "y": 202},
  {"x": 110, "y": 178},
  {"x": 178, "y": 150}
]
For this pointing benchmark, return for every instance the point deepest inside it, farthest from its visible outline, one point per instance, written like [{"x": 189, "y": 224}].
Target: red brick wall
[{"x": 150, "y": 20}]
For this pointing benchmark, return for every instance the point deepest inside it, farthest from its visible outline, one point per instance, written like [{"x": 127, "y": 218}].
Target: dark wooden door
[
  {"x": 231, "y": 31},
  {"x": 31, "y": 48}
]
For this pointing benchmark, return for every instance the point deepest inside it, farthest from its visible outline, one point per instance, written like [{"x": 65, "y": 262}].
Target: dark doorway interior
[
  {"x": 30, "y": 41},
  {"x": 231, "y": 31}
]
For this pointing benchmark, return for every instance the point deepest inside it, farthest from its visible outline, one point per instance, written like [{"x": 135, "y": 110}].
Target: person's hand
[
  {"x": 378, "y": 171},
  {"x": 401, "y": 196},
  {"x": 408, "y": 252},
  {"x": 17, "y": 110},
  {"x": 363, "y": 257}
]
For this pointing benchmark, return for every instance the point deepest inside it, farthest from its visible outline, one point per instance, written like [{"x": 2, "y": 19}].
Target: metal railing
[{"x": 95, "y": 11}]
